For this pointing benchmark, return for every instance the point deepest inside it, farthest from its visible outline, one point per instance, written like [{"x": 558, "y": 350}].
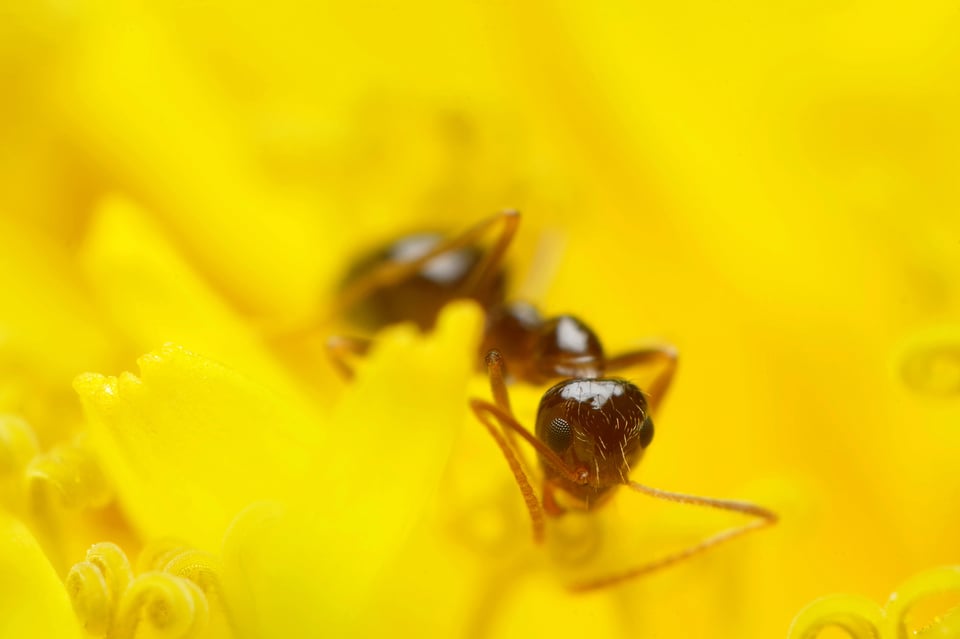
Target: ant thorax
[
  {"x": 600, "y": 426},
  {"x": 538, "y": 350},
  {"x": 567, "y": 347}
]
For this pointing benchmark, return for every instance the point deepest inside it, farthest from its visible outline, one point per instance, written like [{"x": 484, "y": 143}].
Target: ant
[{"x": 591, "y": 430}]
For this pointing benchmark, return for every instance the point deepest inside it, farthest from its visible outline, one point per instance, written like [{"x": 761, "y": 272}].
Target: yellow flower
[
  {"x": 183, "y": 187},
  {"x": 862, "y": 618}
]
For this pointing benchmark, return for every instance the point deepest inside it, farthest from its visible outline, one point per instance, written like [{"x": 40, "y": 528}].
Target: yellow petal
[
  {"x": 260, "y": 251},
  {"x": 381, "y": 463},
  {"x": 48, "y": 331},
  {"x": 154, "y": 297},
  {"x": 33, "y": 602},
  {"x": 18, "y": 445},
  {"x": 190, "y": 443},
  {"x": 558, "y": 612}
]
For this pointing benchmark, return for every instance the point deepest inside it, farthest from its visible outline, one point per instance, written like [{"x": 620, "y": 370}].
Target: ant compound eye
[
  {"x": 559, "y": 435},
  {"x": 646, "y": 432}
]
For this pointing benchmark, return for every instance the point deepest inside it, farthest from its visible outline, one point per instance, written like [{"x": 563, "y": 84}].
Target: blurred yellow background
[{"x": 774, "y": 189}]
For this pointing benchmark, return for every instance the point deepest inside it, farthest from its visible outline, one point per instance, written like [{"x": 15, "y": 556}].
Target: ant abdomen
[{"x": 419, "y": 296}]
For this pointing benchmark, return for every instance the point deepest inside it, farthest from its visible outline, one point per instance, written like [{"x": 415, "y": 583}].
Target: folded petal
[
  {"x": 154, "y": 296},
  {"x": 33, "y": 601},
  {"x": 382, "y": 460},
  {"x": 259, "y": 250},
  {"x": 190, "y": 443}
]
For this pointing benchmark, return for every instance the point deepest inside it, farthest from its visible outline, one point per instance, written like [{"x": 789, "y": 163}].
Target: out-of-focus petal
[
  {"x": 154, "y": 297},
  {"x": 33, "y": 602},
  {"x": 130, "y": 92},
  {"x": 18, "y": 445},
  {"x": 381, "y": 462},
  {"x": 48, "y": 331},
  {"x": 928, "y": 361}
]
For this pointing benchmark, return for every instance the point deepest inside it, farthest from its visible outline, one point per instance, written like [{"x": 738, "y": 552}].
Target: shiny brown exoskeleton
[
  {"x": 539, "y": 350},
  {"x": 590, "y": 434},
  {"x": 602, "y": 425},
  {"x": 414, "y": 277},
  {"x": 419, "y": 297},
  {"x": 591, "y": 430}
]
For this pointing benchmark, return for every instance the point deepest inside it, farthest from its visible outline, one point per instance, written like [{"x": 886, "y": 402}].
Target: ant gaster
[{"x": 591, "y": 430}]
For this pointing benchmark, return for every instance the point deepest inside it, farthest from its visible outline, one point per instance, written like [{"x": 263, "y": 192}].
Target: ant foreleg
[
  {"x": 485, "y": 272},
  {"x": 763, "y": 519},
  {"x": 498, "y": 385},
  {"x": 507, "y": 421},
  {"x": 484, "y": 411},
  {"x": 498, "y": 388},
  {"x": 664, "y": 356}
]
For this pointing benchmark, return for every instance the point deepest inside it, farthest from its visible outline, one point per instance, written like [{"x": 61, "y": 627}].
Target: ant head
[
  {"x": 600, "y": 425},
  {"x": 567, "y": 347}
]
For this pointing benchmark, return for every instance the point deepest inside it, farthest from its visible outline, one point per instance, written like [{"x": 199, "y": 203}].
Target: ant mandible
[{"x": 591, "y": 430}]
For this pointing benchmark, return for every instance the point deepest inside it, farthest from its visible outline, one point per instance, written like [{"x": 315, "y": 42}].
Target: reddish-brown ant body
[{"x": 591, "y": 430}]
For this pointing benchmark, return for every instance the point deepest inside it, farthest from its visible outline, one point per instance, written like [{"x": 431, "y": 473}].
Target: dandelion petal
[
  {"x": 33, "y": 602},
  {"x": 381, "y": 463},
  {"x": 189, "y": 443}
]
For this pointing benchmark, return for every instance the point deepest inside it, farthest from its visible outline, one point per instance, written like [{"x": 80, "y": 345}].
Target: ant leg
[
  {"x": 763, "y": 519},
  {"x": 498, "y": 386},
  {"x": 507, "y": 421},
  {"x": 394, "y": 272},
  {"x": 340, "y": 348},
  {"x": 484, "y": 411},
  {"x": 484, "y": 272},
  {"x": 504, "y": 437},
  {"x": 665, "y": 356}
]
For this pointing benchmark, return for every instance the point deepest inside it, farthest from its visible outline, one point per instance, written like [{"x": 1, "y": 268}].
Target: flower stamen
[
  {"x": 91, "y": 597},
  {"x": 174, "y": 606},
  {"x": 918, "y": 589},
  {"x": 862, "y": 618},
  {"x": 859, "y": 617},
  {"x": 171, "y": 594}
]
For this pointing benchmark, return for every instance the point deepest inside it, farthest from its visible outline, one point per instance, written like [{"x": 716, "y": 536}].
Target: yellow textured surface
[
  {"x": 33, "y": 602},
  {"x": 772, "y": 188}
]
